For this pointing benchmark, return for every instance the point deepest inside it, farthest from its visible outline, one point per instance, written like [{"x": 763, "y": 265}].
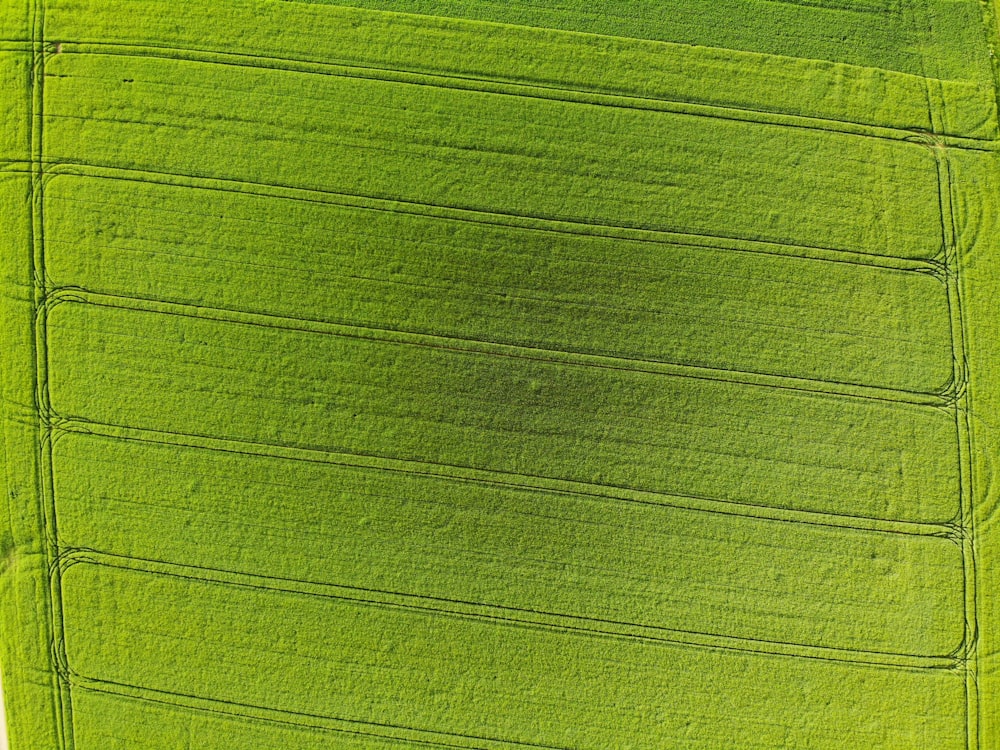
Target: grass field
[{"x": 402, "y": 374}]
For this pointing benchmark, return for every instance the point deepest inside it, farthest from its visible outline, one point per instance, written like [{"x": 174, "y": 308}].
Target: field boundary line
[{"x": 17, "y": 166}]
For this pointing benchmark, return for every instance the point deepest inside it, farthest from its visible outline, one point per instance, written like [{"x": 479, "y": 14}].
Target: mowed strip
[
  {"x": 470, "y": 679},
  {"x": 458, "y": 541},
  {"x": 385, "y": 268},
  {"x": 264, "y": 383},
  {"x": 493, "y": 152}
]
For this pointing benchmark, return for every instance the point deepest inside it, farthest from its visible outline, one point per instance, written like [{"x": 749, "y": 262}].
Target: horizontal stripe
[
  {"x": 532, "y": 550},
  {"x": 495, "y": 152},
  {"x": 701, "y": 306},
  {"x": 699, "y": 72},
  {"x": 466, "y": 678},
  {"x": 720, "y": 440}
]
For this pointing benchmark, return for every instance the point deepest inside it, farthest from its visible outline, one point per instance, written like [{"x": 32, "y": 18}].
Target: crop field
[{"x": 500, "y": 374}]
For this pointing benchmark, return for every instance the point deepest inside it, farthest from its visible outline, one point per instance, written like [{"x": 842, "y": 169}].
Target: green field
[{"x": 500, "y": 375}]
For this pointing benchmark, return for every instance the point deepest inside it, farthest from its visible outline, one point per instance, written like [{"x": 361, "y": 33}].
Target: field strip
[
  {"x": 933, "y": 267},
  {"x": 968, "y": 478},
  {"x": 942, "y": 400},
  {"x": 849, "y": 36},
  {"x": 63, "y": 425},
  {"x": 636, "y": 168},
  {"x": 898, "y": 471},
  {"x": 704, "y": 307},
  {"x": 15, "y": 75},
  {"x": 958, "y": 245},
  {"x": 265, "y": 721},
  {"x": 591, "y": 627},
  {"x": 538, "y": 91},
  {"x": 198, "y": 644},
  {"x": 49, "y": 627},
  {"x": 127, "y": 710},
  {"x": 492, "y": 543},
  {"x": 654, "y": 69},
  {"x": 875, "y": 7}
]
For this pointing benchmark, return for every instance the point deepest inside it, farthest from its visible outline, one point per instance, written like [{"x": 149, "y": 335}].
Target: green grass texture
[{"x": 500, "y": 374}]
